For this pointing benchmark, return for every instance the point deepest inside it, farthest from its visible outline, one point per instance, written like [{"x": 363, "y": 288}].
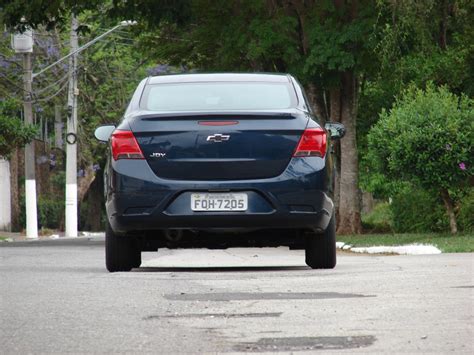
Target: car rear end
[{"x": 228, "y": 153}]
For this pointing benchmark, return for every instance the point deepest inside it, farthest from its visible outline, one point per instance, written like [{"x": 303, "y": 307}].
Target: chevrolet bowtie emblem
[{"x": 217, "y": 138}]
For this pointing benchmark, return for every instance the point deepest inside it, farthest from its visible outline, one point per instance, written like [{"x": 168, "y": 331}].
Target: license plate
[{"x": 219, "y": 201}]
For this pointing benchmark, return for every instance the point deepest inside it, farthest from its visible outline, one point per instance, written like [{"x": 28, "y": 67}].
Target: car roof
[{"x": 219, "y": 77}]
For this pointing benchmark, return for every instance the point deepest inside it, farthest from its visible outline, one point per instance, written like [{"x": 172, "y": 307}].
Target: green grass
[
  {"x": 379, "y": 220},
  {"x": 463, "y": 243},
  {"x": 3, "y": 238}
]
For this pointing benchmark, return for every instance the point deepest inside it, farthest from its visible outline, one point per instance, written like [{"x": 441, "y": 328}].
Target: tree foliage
[
  {"x": 109, "y": 72},
  {"x": 327, "y": 45},
  {"x": 13, "y": 132},
  {"x": 425, "y": 139},
  {"x": 419, "y": 41},
  {"x": 51, "y": 13},
  {"x": 355, "y": 57}
]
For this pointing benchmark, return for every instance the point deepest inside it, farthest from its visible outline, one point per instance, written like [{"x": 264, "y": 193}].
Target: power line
[
  {"x": 59, "y": 45},
  {"x": 60, "y": 89},
  {"x": 53, "y": 95},
  {"x": 15, "y": 85},
  {"x": 116, "y": 31},
  {"x": 44, "y": 34},
  {"x": 34, "y": 94},
  {"x": 52, "y": 84}
]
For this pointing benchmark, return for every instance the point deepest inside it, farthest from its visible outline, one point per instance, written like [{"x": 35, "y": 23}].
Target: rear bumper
[{"x": 137, "y": 200}]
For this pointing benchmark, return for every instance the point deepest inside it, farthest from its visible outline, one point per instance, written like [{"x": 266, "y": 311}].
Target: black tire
[
  {"x": 138, "y": 258},
  {"x": 121, "y": 252},
  {"x": 321, "y": 248}
]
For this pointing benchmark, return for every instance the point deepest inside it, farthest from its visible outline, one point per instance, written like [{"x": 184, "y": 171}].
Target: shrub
[
  {"x": 425, "y": 140},
  {"x": 50, "y": 212}
]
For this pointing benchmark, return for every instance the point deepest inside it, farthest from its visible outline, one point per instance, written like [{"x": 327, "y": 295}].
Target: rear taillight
[
  {"x": 312, "y": 143},
  {"x": 125, "y": 146}
]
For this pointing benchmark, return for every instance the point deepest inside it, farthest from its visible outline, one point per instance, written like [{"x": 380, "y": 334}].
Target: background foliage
[
  {"x": 13, "y": 132},
  {"x": 425, "y": 139},
  {"x": 422, "y": 48}
]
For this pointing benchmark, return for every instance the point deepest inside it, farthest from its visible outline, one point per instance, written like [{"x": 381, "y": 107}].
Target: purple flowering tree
[{"x": 160, "y": 69}]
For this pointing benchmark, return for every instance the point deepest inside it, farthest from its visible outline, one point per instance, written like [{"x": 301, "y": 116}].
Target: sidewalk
[{"x": 8, "y": 237}]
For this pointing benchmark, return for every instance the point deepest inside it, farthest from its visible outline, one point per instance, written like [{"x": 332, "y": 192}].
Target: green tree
[
  {"x": 426, "y": 139},
  {"x": 419, "y": 41},
  {"x": 111, "y": 66},
  {"x": 13, "y": 132},
  {"x": 353, "y": 56},
  {"x": 325, "y": 44}
]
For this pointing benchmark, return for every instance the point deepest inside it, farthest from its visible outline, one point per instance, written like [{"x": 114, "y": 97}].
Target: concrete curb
[{"x": 410, "y": 249}]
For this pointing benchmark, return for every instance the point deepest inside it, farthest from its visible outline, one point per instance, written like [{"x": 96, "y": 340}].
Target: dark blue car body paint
[{"x": 283, "y": 191}]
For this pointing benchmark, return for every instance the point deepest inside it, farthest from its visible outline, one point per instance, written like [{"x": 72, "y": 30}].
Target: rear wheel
[
  {"x": 121, "y": 252},
  {"x": 321, "y": 248}
]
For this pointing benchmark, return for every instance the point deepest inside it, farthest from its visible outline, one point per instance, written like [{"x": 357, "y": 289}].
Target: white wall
[{"x": 5, "y": 196}]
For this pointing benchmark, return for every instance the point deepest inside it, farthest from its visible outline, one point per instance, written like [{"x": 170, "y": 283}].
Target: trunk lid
[{"x": 227, "y": 146}]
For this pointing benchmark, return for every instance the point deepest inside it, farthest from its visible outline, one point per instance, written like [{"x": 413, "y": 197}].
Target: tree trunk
[
  {"x": 301, "y": 10},
  {"x": 42, "y": 168},
  {"x": 448, "y": 203},
  {"x": 58, "y": 127},
  {"x": 335, "y": 116},
  {"x": 15, "y": 191},
  {"x": 95, "y": 203},
  {"x": 443, "y": 24},
  {"x": 349, "y": 206},
  {"x": 335, "y": 104},
  {"x": 368, "y": 202},
  {"x": 85, "y": 182},
  {"x": 316, "y": 100}
]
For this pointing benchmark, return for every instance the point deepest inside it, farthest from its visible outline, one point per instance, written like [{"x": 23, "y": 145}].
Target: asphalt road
[{"x": 56, "y": 297}]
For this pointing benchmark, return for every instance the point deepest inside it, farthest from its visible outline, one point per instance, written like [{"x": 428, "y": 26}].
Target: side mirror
[
  {"x": 103, "y": 133},
  {"x": 336, "y": 129}
]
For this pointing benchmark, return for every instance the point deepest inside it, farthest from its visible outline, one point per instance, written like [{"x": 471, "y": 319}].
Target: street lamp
[{"x": 87, "y": 45}]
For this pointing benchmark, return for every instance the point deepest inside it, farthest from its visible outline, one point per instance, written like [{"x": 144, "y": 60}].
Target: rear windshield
[{"x": 218, "y": 96}]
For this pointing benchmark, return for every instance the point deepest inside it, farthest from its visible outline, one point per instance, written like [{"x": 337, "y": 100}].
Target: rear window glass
[{"x": 218, "y": 96}]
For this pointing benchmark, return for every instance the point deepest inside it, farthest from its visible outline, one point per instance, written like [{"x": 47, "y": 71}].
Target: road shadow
[
  {"x": 54, "y": 269},
  {"x": 220, "y": 269}
]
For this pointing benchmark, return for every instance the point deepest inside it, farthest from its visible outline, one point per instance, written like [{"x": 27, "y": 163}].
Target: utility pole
[
  {"x": 71, "y": 137},
  {"x": 22, "y": 42},
  {"x": 30, "y": 181}
]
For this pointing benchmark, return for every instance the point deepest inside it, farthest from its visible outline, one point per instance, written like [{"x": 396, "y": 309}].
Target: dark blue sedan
[{"x": 217, "y": 161}]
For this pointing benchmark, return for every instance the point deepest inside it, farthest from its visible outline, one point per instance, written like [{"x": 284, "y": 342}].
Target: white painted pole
[
  {"x": 71, "y": 143},
  {"x": 5, "y": 196},
  {"x": 30, "y": 181}
]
